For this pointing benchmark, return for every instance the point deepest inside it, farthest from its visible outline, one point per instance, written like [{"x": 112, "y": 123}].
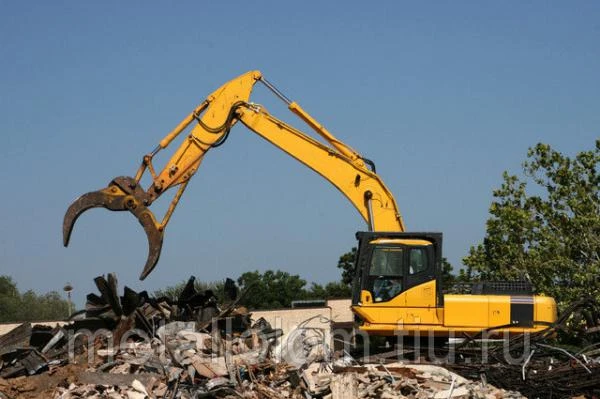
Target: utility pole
[{"x": 68, "y": 288}]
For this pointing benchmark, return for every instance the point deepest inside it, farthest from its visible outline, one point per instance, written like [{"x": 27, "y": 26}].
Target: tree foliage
[
  {"x": 271, "y": 289},
  {"x": 346, "y": 263},
  {"x": 448, "y": 279},
  {"x": 545, "y": 226},
  {"x": 29, "y": 306},
  {"x": 277, "y": 289},
  {"x": 332, "y": 290}
]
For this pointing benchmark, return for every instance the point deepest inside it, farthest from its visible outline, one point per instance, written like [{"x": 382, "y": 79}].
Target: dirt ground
[{"x": 40, "y": 386}]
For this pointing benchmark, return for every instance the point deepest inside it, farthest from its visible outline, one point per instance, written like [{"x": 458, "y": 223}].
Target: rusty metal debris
[{"x": 136, "y": 346}]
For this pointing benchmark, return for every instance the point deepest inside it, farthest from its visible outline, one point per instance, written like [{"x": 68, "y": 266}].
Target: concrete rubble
[{"x": 137, "y": 347}]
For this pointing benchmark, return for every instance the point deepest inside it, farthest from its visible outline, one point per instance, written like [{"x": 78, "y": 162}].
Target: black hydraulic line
[
  {"x": 230, "y": 116},
  {"x": 226, "y": 126},
  {"x": 371, "y": 164}
]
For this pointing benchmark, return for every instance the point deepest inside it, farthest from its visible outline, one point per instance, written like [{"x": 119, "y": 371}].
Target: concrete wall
[
  {"x": 340, "y": 310},
  {"x": 336, "y": 311}
]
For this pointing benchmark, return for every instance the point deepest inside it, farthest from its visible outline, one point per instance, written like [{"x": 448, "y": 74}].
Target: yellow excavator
[{"x": 397, "y": 284}]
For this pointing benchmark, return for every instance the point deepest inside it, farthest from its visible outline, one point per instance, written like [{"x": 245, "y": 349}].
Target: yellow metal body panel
[
  {"x": 415, "y": 305},
  {"x": 414, "y": 311},
  {"x": 544, "y": 309},
  {"x": 400, "y": 241},
  {"x": 481, "y": 311}
]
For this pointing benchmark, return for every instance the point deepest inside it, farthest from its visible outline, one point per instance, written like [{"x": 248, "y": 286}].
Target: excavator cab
[
  {"x": 389, "y": 264},
  {"x": 395, "y": 269}
]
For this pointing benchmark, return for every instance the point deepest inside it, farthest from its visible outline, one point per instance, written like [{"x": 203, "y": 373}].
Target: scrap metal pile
[{"x": 134, "y": 346}]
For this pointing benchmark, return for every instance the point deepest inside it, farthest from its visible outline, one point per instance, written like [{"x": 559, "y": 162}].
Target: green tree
[
  {"x": 29, "y": 306},
  {"x": 545, "y": 226},
  {"x": 332, "y": 290},
  {"x": 448, "y": 279},
  {"x": 9, "y": 299},
  {"x": 465, "y": 276},
  {"x": 49, "y": 306},
  {"x": 346, "y": 263},
  {"x": 271, "y": 289}
]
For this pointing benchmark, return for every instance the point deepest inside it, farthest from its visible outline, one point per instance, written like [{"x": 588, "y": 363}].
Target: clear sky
[{"x": 443, "y": 96}]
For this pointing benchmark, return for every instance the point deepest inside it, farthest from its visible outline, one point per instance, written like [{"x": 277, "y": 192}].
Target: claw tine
[
  {"x": 87, "y": 201},
  {"x": 155, "y": 241}
]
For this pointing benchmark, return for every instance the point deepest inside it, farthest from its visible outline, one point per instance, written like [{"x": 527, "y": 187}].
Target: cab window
[
  {"x": 418, "y": 260},
  {"x": 386, "y": 261},
  {"x": 386, "y": 272}
]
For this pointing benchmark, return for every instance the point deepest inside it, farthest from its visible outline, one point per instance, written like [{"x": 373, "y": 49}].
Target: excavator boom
[{"x": 212, "y": 121}]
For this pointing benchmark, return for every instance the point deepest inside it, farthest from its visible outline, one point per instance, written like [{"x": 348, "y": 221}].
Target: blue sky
[{"x": 443, "y": 96}]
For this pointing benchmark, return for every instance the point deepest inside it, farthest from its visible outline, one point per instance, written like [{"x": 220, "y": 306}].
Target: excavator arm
[{"x": 212, "y": 121}]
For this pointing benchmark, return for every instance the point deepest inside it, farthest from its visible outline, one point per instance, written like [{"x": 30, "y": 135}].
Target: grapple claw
[{"x": 122, "y": 194}]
